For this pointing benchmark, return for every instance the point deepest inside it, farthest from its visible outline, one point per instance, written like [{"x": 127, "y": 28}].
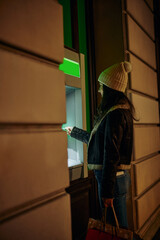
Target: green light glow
[
  {"x": 63, "y": 128},
  {"x": 70, "y": 67}
]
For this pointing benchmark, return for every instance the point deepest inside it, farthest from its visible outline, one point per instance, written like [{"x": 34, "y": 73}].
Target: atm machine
[{"x": 74, "y": 68}]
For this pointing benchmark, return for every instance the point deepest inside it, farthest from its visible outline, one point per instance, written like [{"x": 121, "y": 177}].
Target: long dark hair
[{"x": 111, "y": 98}]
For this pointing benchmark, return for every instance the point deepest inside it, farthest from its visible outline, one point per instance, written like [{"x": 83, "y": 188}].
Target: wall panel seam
[
  {"x": 28, "y": 54},
  {"x": 146, "y": 124},
  {"x": 146, "y": 190},
  {"x": 148, "y": 220},
  {"x": 139, "y": 25},
  {"x": 148, "y": 6},
  {"x": 139, "y": 58},
  {"x": 144, "y": 158},
  {"x": 29, "y": 128},
  {"x": 143, "y": 229},
  {"x": 25, "y": 207},
  {"x": 131, "y": 90},
  {"x": 136, "y": 197}
]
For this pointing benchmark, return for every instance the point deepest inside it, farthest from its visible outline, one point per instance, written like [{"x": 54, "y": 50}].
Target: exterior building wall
[
  {"x": 140, "y": 49},
  {"x": 33, "y": 147}
]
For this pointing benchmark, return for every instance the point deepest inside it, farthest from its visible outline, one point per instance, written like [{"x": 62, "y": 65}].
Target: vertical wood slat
[
  {"x": 143, "y": 78},
  {"x": 140, "y": 44}
]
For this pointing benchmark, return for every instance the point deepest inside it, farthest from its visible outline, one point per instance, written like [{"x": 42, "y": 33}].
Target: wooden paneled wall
[
  {"x": 33, "y": 147},
  {"x": 140, "y": 50}
]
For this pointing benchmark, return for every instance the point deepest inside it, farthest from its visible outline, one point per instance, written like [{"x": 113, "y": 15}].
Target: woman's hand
[
  {"x": 108, "y": 202},
  {"x": 68, "y": 130}
]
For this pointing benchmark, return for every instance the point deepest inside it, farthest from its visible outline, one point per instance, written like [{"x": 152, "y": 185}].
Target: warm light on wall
[{"x": 70, "y": 67}]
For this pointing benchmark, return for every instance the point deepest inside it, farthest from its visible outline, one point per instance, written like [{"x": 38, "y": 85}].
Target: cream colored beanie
[{"x": 116, "y": 76}]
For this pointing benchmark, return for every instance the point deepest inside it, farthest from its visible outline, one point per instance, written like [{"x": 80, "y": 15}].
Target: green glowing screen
[{"x": 70, "y": 67}]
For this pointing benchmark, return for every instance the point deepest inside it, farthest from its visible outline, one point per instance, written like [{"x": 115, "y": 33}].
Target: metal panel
[
  {"x": 140, "y": 44},
  {"x": 33, "y": 163},
  {"x": 31, "y": 91},
  {"x": 143, "y": 78},
  {"x": 147, "y": 204},
  {"x": 142, "y": 14},
  {"x": 147, "y": 172},
  {"x": 146, "y": 140},
  {"x": 147, "y": 110},
  {"x": 49, "y": 221},
  {"x": 35, "y": 26}
]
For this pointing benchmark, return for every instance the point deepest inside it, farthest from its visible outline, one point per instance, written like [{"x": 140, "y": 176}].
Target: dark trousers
[{"x": 119, "y": 202}]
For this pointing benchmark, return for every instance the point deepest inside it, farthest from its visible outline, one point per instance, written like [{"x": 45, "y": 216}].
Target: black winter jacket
[{"x": 109, "y": 146}]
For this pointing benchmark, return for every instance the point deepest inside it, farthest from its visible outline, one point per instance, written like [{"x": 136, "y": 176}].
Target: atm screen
[{"x": 74, "y": 118}]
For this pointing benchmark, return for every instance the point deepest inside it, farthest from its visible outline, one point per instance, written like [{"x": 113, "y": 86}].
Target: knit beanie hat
[{"x": 116, "y": 76}]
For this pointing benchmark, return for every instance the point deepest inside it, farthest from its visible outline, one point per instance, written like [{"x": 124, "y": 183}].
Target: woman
[{"x": 110, "y": 142}]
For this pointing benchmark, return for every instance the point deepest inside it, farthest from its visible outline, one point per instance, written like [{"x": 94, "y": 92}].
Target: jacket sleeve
[
  {"x": 80, "y": 135},
  {"x": 113, "y": 134}
]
